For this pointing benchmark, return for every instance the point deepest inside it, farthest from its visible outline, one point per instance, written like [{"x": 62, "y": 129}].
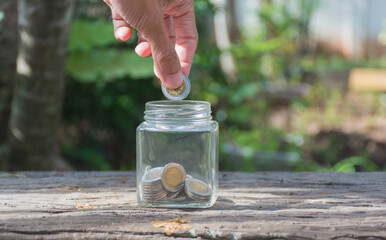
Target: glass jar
[{"x": 177, "y": 155}]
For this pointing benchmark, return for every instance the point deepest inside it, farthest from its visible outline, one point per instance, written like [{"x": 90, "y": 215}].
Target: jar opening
[{"x": 195, "y": 111}]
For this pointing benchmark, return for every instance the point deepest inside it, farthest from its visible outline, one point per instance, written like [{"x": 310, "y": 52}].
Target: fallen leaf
[
  {"x": 19, "y": 175},
  {"x": 85, "y": 206},
  {"x": 172, "y": 225},
  {"x": 177, "y": 220}
]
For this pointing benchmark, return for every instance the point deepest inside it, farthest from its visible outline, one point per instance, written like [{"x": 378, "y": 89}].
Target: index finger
[{"x": 186, "y": 35}]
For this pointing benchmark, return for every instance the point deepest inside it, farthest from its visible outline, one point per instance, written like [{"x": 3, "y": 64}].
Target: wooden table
[{"x": 274, "y": 205}]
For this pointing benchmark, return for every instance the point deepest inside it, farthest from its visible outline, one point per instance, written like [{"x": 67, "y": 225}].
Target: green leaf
[
  {"x": 348, "y": 164},
  {"x": 86, "y": 35},
  {"x": 108, "y": 64}
]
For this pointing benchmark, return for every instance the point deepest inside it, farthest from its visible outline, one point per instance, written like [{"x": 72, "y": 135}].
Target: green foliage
[
  {"x": 272, "y": 53},
  {"x": 107, "y": 65},
  {"x": 85, "y": 35},
  {"x": 85, "y": 158},
  {"x": 269, "y": 56},
  {"x": 275, "y": 55},
  {"x": 107, "y": 87},
  {"x": 94, "y": 55},
  {"x": 349, "y": 164}
]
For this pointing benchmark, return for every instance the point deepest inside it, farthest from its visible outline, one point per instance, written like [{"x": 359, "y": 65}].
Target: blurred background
[{"x": 296, "y": 85}]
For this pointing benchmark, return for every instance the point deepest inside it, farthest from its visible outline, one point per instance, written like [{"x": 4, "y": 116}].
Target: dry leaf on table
[
  {"x": 85, "y": 206},
  {"x": 172, "y": 225}
]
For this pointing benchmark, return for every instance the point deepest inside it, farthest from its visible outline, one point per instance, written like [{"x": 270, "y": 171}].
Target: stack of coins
[
  {"x": 197, "y": 190},
  {"x": 171, "y": 183},
  {"x": 152, "y": 189}
]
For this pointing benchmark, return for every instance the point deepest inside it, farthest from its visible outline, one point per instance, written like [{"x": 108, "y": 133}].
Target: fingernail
[
  {"x": 174, "y": 81},
  {"x": 120, "y": 34},
  {"x": 143, "y": 49}
]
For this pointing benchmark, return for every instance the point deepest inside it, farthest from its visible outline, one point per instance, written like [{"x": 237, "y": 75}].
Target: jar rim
[
  {"x": 169, "y": 103},
  {"x": 183, "y": 110}
]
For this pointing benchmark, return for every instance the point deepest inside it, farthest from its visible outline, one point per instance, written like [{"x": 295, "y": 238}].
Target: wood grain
[{"x": 276, "y": 205}]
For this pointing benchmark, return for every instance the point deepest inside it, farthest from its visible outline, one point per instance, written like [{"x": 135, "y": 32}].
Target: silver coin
[
  {"x": 152, "y": 175},
  {"x": 154, "y": 195},
  {"x": 174, "y": 195},
  {"x": 177, "y": 196},
  {"x": 155, "y": 198},
  {"x": 197, "y": 190},
  {"x": 179, "y": 93},
  {"x": 196, "y": 198},
  {"x": 173, "y": 177},
  {"x": 153, "y": 189},
  {"x": 151, "y": 186},
  {"x": 198, "y": 187},
  {"x": 152, "y": 183}
]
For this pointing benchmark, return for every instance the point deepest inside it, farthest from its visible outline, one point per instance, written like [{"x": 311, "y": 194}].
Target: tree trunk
[
  {"x": 223, "y": 41},
  {"x": 36, "y": 105},
  {"x": 234, "y": 32},
  {"x": 8, "y": 53}
]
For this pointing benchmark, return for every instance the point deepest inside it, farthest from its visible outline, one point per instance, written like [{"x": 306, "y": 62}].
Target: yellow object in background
[{"x": 367, "y": 79}]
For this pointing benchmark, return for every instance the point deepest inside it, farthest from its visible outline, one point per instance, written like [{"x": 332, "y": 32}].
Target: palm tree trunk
[{"x": 36, "y": 105}]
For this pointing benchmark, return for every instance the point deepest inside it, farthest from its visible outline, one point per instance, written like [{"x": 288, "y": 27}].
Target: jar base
[{"x": 163, "y": 204}]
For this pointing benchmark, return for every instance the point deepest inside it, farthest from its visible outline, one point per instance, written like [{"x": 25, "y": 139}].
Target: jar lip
[
  {"x": 184, "y": 110},
  {"x": 169, "y": 103}
]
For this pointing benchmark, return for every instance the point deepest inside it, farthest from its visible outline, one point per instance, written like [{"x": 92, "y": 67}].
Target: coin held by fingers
[{"x": 179, "y": 93}]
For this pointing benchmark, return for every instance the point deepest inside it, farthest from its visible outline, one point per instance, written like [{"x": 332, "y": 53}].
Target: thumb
[{"x": 166, "y": 61}]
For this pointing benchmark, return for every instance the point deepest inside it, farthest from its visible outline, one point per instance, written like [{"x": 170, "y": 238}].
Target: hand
[{"x": 167, "y": 31}]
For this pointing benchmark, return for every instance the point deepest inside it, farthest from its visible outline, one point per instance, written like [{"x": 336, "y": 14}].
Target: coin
[
  {"x": 151, "y": 186},
  {"x": 177, "y": 196},
  {"x": 173, "y": 177},
  {"x": 179, "y": 93},
  {"x": 199, "y": 186},
  {"x": 197, "y": 190},
  {"x": 155, "y": 197},
  {"x": 152, "y": 174}
]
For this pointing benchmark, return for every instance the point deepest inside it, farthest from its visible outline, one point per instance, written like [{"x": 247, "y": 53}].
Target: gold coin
[
  {"x": 178, "y": 91},
  {"x": 197, "y": 190},
  {"x": 173, "y": 177},
  {"x": 199, "y": 187}
]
